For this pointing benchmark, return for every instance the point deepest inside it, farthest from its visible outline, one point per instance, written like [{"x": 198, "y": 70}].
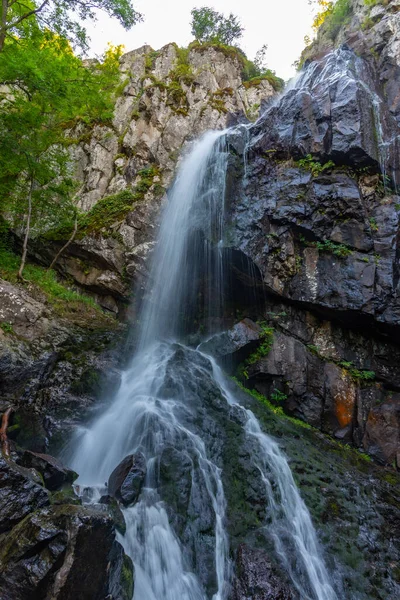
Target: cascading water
[{"x": 159, "y": 409}]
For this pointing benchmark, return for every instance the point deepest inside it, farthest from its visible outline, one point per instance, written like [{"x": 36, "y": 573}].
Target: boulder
[
  {"x": 20, "y": 493},
  {"x": 126, "y": 481},
  {"x": 234, "y": 344},
  {"x": 64, "y": 552},
  {"x": 52, "y": 470}
]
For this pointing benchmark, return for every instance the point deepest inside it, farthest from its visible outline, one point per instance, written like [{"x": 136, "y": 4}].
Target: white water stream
[{"x": 152, "y": 411}]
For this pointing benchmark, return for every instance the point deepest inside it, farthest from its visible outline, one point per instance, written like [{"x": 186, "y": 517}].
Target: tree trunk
[
  {"x": 4, "y": 443},
  {"x": 71, "y": 239},
  {"x": 3, "y": 23},
  {"x": 28, "y": 227}
]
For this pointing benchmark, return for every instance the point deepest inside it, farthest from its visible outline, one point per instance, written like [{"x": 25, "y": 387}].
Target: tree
[
  {"x": 260, "y": 59},
  {"x": 62, "y": 16},
  {"x": 45, "y": 90},
  {"x": 210, "y": 26}
]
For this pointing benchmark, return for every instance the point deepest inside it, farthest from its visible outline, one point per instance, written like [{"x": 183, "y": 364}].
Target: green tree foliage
[
  {"x": 333, "y": 14},
  {"x": 63, "y": 17},
  {"x": 209, "y": 25},
  {"x": 45, "y": 89}
]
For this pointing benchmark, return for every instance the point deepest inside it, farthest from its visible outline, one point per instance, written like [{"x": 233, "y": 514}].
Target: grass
[
  {"x": 45, "y": 280},
  {"x": 277, "y": 410},
  {"x": 80, "y": 309}
]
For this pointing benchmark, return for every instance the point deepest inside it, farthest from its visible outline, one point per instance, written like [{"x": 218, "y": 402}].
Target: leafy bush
[
  {"x": 339, "y": 16},
  {"x": 314, "y": 166},
  {"x": 333, "y": 16},
  {"x": 267, "y": 339},
  {"x": 339, "y": 250},
  {"x": 278, "y": 396},
  {"x": 357, "y": 374},
  {"x": 277, "y": 83}
]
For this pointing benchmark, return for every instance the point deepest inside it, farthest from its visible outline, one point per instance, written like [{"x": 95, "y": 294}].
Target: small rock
[{"x": 125, "y": 482}]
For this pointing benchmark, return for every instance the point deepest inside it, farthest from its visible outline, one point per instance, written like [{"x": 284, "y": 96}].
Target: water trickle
[{"x": 160, "y": 406}]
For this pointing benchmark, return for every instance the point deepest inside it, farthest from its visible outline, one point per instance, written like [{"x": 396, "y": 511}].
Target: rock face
[
  {"x": 52, "y": 367},
  {"x": 127, "y": 479},
  {"x": 51, "y": 548},
  {"x": 318, "y": 214},
  {"x": 254, "y": 578},
  {"x": 53, "y": 472},
  {"x": 63, "y": 552},
  {"x": 169, "y": 98},
  {"x": 20, "y": 494}
]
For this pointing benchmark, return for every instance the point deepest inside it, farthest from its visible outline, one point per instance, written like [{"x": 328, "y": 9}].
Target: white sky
[{"x": 282, "y": 24}]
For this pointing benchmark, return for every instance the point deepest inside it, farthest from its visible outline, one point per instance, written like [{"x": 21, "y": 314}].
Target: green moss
[
  {"x": 107, "y": 211},
  {"x": 229, "y": 51},
  {"x": 127, "y": 579},
  {"x": 65, "y": 496},
  {"x": 88, "y": 383},
  {"x": 276, "y": 82},
  {"x": 276, "y": 410},
  {"x": 7, "y": 327}
]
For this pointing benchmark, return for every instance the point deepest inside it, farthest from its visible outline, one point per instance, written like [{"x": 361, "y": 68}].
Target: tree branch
[
  {"x": 27, "y": 15},
  {"x": 71, "y": 239}
]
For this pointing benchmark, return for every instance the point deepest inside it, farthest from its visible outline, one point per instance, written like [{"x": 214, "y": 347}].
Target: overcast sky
[{"x": 282, "y": 24}]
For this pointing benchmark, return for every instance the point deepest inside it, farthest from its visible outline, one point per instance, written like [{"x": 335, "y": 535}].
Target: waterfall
[{"x": 159, "y": 408}]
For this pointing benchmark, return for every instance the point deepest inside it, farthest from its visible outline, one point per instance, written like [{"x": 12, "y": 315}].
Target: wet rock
[
  {"x": 126, "y": 481},
  {"x": 382, "y": 432},
  {"x": 53, "y": 472},
  {"x": 20, "y": 493},
  {"x": 63, "y": 552},
  {"x": 115, "y": 512},
  {"x": 256, "y": 579},
  {"x": 234, "y": 344}
]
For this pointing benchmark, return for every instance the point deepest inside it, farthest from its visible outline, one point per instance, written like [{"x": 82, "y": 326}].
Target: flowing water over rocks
[{"x": 169, "y": 408}]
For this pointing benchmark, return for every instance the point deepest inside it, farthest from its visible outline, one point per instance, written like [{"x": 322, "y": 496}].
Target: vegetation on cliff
[{"x": 45, "y": 89}]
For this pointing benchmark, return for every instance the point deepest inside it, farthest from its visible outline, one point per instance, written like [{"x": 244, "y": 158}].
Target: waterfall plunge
[{"x": 146, "y": 416}]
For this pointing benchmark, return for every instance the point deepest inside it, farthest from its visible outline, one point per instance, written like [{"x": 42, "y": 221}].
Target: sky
[{"x": 282, "y": 24}]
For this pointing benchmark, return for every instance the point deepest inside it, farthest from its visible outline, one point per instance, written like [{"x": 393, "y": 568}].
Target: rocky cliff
[
  {"x": 167, "y": 98},
  {"x": 318, "y": 215},
  {"x": 313, "y": 248}
]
